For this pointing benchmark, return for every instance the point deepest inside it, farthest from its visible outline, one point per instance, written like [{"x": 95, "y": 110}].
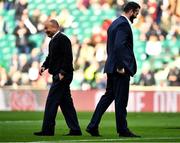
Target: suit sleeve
[{"x": 120, "y": 44}]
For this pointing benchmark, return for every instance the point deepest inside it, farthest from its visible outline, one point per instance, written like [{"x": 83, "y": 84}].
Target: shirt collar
[
  {"x": 55, "y": 34},
  {"x": 127, "y": 19}
]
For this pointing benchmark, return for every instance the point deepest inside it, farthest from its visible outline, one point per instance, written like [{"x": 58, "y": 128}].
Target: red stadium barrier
[{"x": 141, "y": 99}]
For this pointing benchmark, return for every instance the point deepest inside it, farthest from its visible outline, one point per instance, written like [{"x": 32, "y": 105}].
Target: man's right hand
[
  {"x": 41, "y": 70},
  {"x": 121, "y": 71}
]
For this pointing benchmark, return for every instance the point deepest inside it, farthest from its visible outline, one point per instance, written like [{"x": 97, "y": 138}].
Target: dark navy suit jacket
[{"x": 120, "y": 48}]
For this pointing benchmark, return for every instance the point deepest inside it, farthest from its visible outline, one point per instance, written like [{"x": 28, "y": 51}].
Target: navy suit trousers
[{"x": 118, "y": 90}]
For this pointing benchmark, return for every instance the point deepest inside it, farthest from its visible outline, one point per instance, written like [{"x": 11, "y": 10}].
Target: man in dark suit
[
  {"x": 59, "y": 64},
  {"x": 120, "y": 65}
]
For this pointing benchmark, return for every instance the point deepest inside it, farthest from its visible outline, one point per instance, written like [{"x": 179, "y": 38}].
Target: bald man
[{"x": 59, "y": 65}]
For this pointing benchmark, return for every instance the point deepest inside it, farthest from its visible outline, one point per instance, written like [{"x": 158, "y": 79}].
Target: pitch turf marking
[
  {"x": 20, "y": 121},
  {"x": 146, "y": 139},
  {"x": 121, "y": 139}
]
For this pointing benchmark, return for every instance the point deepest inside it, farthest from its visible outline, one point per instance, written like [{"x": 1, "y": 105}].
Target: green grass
[{"x": 153, "y": 127}]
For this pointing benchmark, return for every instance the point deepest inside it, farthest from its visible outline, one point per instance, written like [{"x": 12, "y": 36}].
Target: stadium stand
[{"x": 156, "y": 40}]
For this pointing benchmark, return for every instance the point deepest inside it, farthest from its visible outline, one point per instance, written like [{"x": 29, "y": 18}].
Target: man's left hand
[{"x": 61, "y": 76}]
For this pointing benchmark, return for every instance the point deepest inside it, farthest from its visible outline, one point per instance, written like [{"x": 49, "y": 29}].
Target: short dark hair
[{"x": 131, "y": 6}]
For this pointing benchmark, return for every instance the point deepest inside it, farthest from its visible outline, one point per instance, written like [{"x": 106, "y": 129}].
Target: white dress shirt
[
  {"x": 55, "y": 34},
  {"x": 128, "y": 20}
]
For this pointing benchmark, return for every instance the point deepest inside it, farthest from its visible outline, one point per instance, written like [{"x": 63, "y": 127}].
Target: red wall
[{"x": 140, "y": 100}]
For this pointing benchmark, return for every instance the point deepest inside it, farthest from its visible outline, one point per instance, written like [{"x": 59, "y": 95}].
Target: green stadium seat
[
  {"x": 139, "y": 46},
  {"x": 83, "y": 18},
  {"x": 108, "y": 14},
  {"x": 3, "y": 44},
  {"x": 71, "y": 1},
  {"x": 38, "y": 1},
  {"x": 76, "y": 84},
  {"x": 136, "y": 34},
  {"x": 5, "y": 64},
  {"x": 68, "y": 31},
  {"x": 37, "y": 39},
  {"x": 175, "y": 50},
  {"x": 11, "y": 12},
  {"x": 94, "y": 18},
  {"x": 158, "y": 64},
  {"x": 10, "y": 37},
  {"x": 136, "y": 78},
  {"x": 42, "y": 7},
  {"x": 32, "y": 6},
  {"x": 76, "y": 14},
  {"x": 62, "y": 6}
]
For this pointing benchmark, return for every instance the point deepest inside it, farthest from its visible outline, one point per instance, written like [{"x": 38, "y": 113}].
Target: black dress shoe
[
  {"x": 93, "y": 132},
  {"x": 43, "y": 133},
  {"x": 128, "y": 134},
  {"x": 74, "y": 133}
]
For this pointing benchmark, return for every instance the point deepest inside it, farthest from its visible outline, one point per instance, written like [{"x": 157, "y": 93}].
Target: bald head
[
  {"x": 51, "y": 27},
  {"x": 54, "y": 22}
]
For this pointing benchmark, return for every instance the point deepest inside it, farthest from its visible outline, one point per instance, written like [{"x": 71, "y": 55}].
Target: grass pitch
[{"x": 153, "y": 127}]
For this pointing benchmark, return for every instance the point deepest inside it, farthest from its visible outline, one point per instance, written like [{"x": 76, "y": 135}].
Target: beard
[
  {"x": 132, "y": 18},
  {"x": 49, "y": 34}
]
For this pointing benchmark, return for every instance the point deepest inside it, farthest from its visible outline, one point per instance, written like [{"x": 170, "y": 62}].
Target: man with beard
[
  {"x": 59, "y": 65},
  {"x": 119, "y": 66}
]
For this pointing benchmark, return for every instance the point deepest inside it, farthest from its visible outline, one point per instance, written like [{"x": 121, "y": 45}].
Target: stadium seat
[{"x": 36, "y": 39}]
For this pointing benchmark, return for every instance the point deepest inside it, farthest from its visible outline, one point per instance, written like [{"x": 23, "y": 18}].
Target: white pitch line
[
  {"x": 109, "y": 140},
  {"x": 93, "y": 140},
  {"x": 24, "y": 121},
  {"x": 121, "y": 139},
  {"x": 113, "y": 140},
  {"x": 20, "y": 121},
  {"x": 168, "y": 139}
]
